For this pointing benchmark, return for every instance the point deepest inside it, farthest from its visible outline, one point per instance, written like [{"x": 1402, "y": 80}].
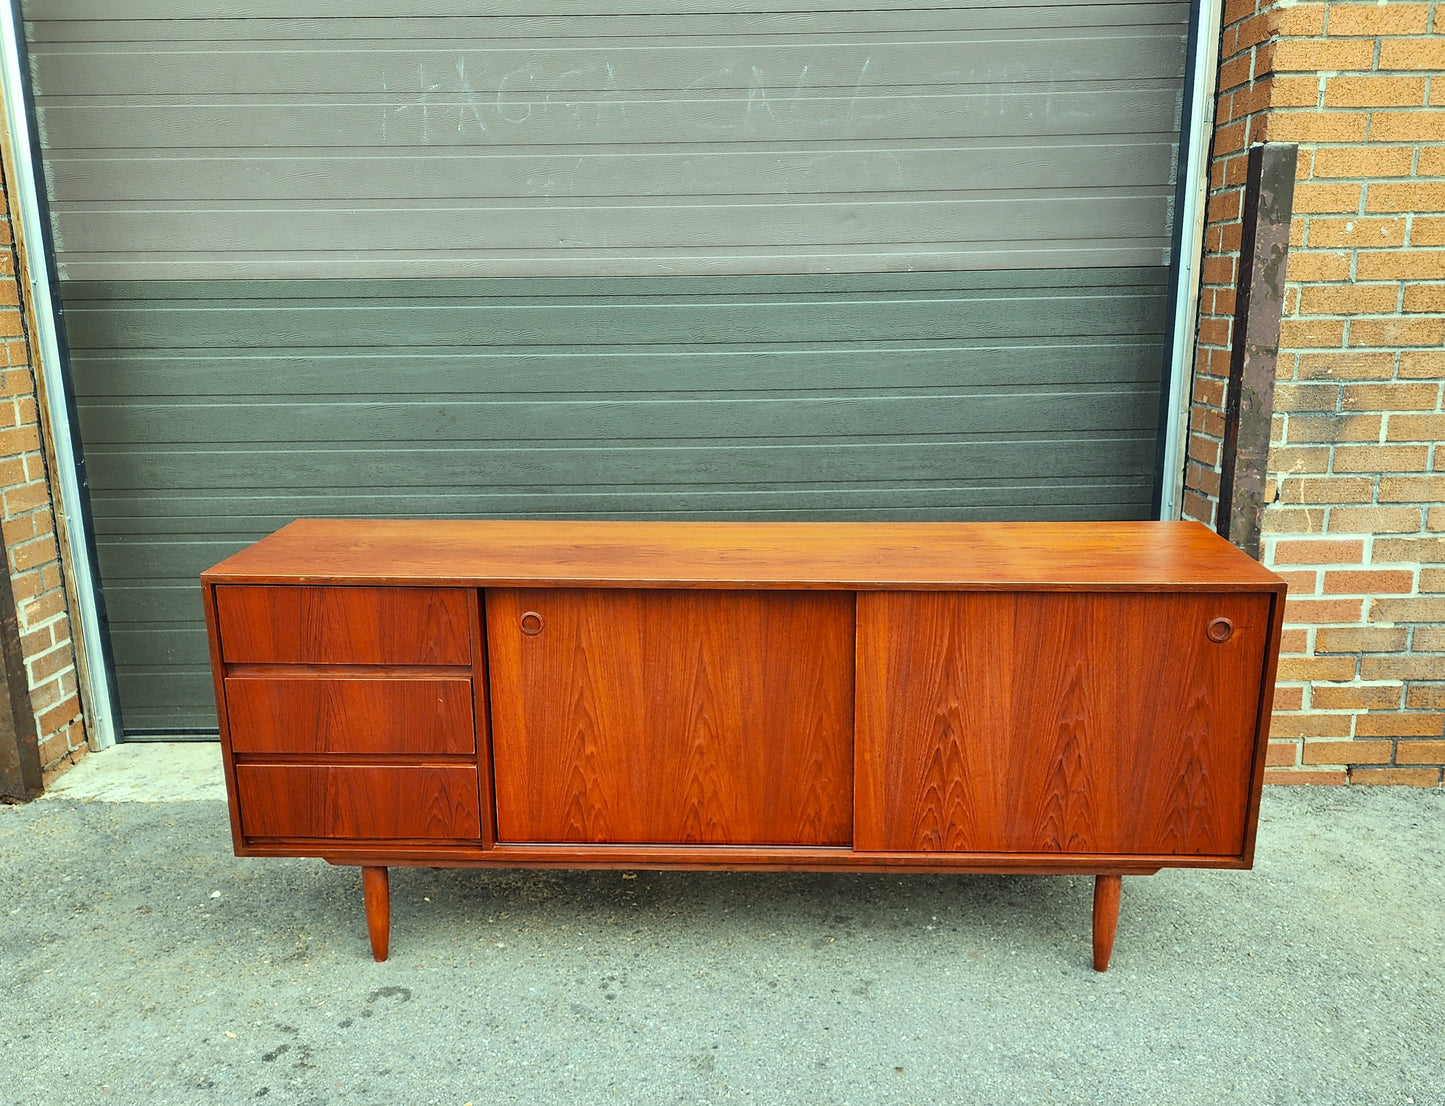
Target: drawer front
[
  {"x": 353, "y": 802},
  {"x": 343, "y": 625},
  {"x": 412, "y": 715}
]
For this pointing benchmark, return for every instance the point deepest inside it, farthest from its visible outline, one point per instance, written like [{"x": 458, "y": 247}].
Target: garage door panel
[
  {"x": 815, "y": 111},
  {"x": 736, "y": 314},
  {"x": 755, "y": 169},
  {"x": 619, "y": 373},
  {"x": 876, "y": 259},
  {"x": 151, "y": 131}
]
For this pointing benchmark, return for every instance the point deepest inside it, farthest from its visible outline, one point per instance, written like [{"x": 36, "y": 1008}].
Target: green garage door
[{"x": 868, "y": 260}]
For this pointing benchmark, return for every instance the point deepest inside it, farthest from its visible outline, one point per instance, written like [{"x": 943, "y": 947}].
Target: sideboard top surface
[{"x": 1092, "y": 556}]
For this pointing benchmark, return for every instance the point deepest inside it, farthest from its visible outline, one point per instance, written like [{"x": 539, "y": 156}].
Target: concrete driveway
[{"x": 141, "y": 962}]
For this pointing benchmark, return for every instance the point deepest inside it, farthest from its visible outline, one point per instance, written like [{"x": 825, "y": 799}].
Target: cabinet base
[{"x": 376, "y": 892}]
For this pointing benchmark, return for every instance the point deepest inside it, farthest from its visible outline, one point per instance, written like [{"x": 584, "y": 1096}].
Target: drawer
[
  {"x": 359, "y": 802},
  {"x": 362, "y": 714},
  {"x": 280, "y": 624}
]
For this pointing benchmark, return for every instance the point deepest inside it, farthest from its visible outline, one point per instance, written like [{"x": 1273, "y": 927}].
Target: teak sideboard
[{"x": 1000, "y": 697}]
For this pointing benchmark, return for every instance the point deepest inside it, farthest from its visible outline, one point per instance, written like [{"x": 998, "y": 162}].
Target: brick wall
[
  {"x": 1357, "y": 471},
  {"x": 27, "y": 519}
]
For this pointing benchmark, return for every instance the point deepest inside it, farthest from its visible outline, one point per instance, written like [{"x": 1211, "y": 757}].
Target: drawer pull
[
  {"x": 1220, "y": 630},
  {"x": 531, "y": 623}
]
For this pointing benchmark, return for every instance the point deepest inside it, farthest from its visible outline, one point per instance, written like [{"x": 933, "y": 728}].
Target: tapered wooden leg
[
  {"x": 1106, "y": 918},
  {"x": 376, "y": 891}
]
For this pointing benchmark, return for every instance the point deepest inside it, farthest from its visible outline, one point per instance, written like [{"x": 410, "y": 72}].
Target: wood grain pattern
[
  {"x": 1106, "y": 918},
  {"x": 376, "y": 894},
  {"x": 416, "y": 802},
  {"x": 1003, "y": 556},
  {"x": 343, "y": 625},
  {"x": 681, "y": 717},
  {"x": 1085, "y": 723},
  {"x": 313, "y": 713}
]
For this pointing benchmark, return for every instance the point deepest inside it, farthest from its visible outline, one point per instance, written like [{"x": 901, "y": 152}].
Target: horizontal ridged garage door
[{"x": 876, "y": 261}]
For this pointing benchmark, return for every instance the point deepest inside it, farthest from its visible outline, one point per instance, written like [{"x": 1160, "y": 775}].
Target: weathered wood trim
[{"x": 1254, "y": 348}]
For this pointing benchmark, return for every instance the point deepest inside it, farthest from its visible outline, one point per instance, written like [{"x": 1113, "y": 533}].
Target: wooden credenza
[{"x": 1007, "y": 697}]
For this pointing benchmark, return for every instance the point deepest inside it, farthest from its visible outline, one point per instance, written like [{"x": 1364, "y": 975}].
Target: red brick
[
  {"x": 1428, "y": 230},
  {"x": 1369, "y": 92},
  {"x": 1408, "y": 53},
  {"x": 1376, "y": 458},
  {"x": 1197, "y": 508},
  {"x": 1408, "y": 550},
  {"x": 1300, "y": 583},
  {"x": 1366, "y": 162},
  {"x": 1391, "y": 724},
  {"x": 1337, "y": 427},
  {"x": 1326, "y": 489},
  {"x": 1326, "y": 551},
  {"x": 1400, "y": 667},
  {"x": 1286, "y": 776},
  {"x": 1397, "y": 777},
  {"x": 1311, "y": 332},
  {"x": 1369, "y": 582},
  {"x": 1356, "y": 696},
  {"x": 1351, "y": 299},
  {"x": 1397, "y": 332},
  {"x": 1289, "y": 92},
  {"x": 1306, "y": 397},
  {"x": 1294, "y": 639},
  {"x": 1375, "y": 520},
  {"x": 1425, "y": 696},
  {"x": 1288, "y": 698},
  {"x": 1356, "y": 639},
  {"x": 1400, "y": 264},
  {"x": 1300, "y": 459},
  {"x": 19, "y": 439},
  {"x": 1334, "y": 669},
  {"x": 1311, "y": 265},
  {"x": 48, "y": 664},
  {"x": 1332, "y": 199},
  {"x": 1310, "y": 724},
  {"x": 1429, "y": 639},
  {"x": 1390, "y": 397},
  {"x": 1420, "y": 752},
  {"x": 1416, "y": 428},
  {"x": 1421, "y": 125},
  {"x": 41, "y": 607},
  {"x": 32, "y": 553},
  {"x": 1378, "y": 19},
  {"x": 1234, "y": 73},
  {"x": 1204, "y": 450},
  {"x": 1422, "y": 364},
  {"x": 1293, "y": 520},
  {"x": 58, "y": 715},
  {"x": 1314, "y": 611},
  {"x": 1316, "y": 55},
  {"x": 1412, "y": 489},
  {"x": 1424, "y": 297},
  {"x": 1281, "y": 754},
  {"x": 1346, "y": 752}
]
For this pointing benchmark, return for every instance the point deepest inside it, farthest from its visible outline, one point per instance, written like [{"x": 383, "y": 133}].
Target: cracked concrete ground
[{"x": 141, "y": 962}]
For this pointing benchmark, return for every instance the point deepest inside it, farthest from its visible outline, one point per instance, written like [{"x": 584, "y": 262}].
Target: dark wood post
[{"x": 1254, "y": 342}]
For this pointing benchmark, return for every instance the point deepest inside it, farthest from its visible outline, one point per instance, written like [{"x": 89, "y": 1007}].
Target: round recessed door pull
[
  {"x": 531, "y": 623},
  {"x": 1219, "y": 630}
]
